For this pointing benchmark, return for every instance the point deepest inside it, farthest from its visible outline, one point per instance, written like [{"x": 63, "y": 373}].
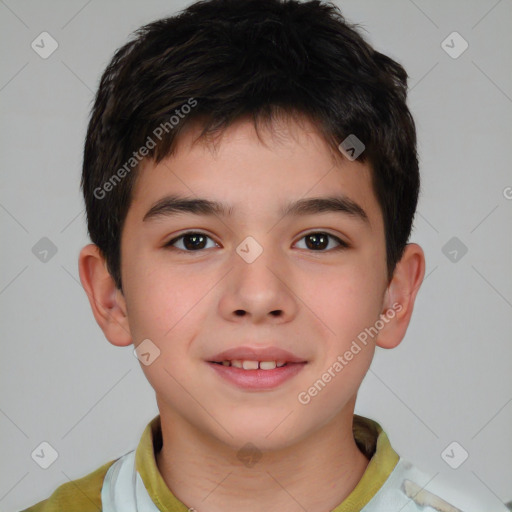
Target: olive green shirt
[{"x": 84, "y": 494}]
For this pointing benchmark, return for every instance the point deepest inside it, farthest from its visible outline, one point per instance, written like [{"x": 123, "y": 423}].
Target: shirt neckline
[{"x": 368, "y": 434}]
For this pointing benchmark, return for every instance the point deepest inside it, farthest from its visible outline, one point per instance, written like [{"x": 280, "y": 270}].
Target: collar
[{"x": 368, "y": 434}]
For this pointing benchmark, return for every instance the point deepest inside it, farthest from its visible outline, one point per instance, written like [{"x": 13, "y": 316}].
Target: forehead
[{"x": 251, "y": 172}]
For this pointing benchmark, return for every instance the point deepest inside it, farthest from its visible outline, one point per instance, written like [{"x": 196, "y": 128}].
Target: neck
[{"x": 316, "y": 474}]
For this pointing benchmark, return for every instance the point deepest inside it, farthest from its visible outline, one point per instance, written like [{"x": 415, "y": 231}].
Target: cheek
[
  {"x": 347, "y": 299},
  {"x": 165, "y": 307},
  {"x": 162, "y": 302}
]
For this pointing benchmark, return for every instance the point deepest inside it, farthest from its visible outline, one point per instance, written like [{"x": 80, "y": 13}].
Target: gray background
[{"x": 449, "y": 380}]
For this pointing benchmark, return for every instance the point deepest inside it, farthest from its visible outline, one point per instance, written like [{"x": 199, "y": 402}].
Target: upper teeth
[{"x": 254, "y": 365}]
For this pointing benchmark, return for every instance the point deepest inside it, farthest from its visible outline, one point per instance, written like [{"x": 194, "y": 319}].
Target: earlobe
[
  {"x": 107, "y": 303},
  {"x": 400, "y": 295}
]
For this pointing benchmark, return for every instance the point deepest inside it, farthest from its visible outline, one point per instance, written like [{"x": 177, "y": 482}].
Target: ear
[
  {"x": 107, "y": 302},
  {"x": 400, "y": 296}
]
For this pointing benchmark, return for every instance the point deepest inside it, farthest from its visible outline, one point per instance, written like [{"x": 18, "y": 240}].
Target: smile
[{"x": 255, "y": 375}]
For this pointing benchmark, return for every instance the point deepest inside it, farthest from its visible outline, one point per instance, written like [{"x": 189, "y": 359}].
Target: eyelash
[{"x": 342, "y": 244}]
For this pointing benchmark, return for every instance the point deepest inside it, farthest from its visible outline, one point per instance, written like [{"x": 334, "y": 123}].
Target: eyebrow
[{"x": 171, "y": 205}]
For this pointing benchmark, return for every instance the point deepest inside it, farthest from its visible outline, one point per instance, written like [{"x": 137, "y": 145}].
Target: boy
[{"x": 250, "y": 177}]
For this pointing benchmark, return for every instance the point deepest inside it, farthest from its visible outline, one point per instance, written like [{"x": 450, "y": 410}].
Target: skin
[{"x": 312, "y": 302}]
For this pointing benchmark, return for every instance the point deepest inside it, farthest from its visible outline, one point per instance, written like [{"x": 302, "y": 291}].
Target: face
[{"x": 198, "y": 284}]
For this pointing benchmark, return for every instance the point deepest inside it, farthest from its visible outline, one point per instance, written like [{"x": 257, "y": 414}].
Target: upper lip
[{"x": 246, "y": 353}]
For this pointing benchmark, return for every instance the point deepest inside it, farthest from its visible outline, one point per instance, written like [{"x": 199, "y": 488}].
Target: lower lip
[{"x": 258, "y": 379}]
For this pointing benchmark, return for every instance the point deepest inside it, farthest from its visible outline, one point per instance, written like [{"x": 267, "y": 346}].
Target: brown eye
[
  {"x": 318, "y": 241},
  {"x": 190, "y": 242}
]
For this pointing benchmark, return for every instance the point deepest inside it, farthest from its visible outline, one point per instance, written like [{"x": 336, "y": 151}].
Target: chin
[{"x": 268, "y": 433}]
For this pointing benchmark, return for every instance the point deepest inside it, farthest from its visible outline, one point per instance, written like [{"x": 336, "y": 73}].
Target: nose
[{"x": 259, "y": 291}]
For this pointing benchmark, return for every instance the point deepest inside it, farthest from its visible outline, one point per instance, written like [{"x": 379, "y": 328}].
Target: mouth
[
  {"x": 254, "y": 358},
  {"x": 256, "y": 368},
  {"x": 255, "y": 375}
]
